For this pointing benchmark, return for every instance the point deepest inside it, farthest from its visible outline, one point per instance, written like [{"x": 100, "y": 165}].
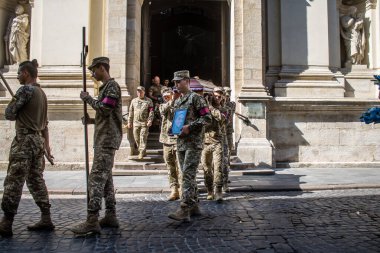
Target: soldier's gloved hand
[
  {"x": 86, "y": 119},
  {"x": 83, "y": 95},
  {"x": 185, "y": 130}
]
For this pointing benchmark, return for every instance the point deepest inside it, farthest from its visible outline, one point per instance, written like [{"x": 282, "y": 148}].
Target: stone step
[{"x": 162, "y": 171}]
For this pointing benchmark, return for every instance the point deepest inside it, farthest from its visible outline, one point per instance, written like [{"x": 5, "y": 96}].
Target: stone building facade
[{"x": 285, "y": 61}]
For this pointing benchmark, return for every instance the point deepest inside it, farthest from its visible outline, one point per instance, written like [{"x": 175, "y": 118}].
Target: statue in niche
[
  {"x": 19, "y": 36},
  {"x": 8, "y": 57},
  {"x": 353, "y": 34}
]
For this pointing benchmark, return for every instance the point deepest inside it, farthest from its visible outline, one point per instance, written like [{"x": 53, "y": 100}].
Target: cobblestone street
[{"x": 320, "y": 221}]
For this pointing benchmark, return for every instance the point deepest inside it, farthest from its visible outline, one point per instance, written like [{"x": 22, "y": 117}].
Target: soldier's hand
[
  {"x": 149, "y": 123},
  {"x": 86, "y": 119},
  {"x": 84, "y": 94},
  {"x": 129, "y": 125},
  {"x": 185, "y": 130}
]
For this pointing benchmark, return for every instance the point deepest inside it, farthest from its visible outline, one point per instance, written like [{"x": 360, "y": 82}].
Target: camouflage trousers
[
  {"x": 225, "y": 161},
  {"x": 170, "y": 157},
  {"x": 212, "y": 159},
  {"x": 100, "y": 182},
  {"x": 140, "y": 133},
  {"x": 26, "y": 163},
  {"x": 189, "y": 161}
]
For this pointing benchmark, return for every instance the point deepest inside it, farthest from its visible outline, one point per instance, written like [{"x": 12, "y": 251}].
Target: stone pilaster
[
  {"x": 305, "y": 51},
  {"x": 253, "y": 145}
]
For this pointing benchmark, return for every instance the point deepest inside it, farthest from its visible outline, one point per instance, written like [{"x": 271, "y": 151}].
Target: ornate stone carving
[
  {"x": 19, "y": 36},
  {"x": 353, "y": 34}
]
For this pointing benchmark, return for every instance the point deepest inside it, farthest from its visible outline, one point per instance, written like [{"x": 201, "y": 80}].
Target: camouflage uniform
[
  {"x": 212, "y": 154},
  {"x": 230, "y": 107},
  {"x": 26, "y": 158},
  {"x": 107, "y": 138},
  {"x": 169, "y": 144},
  {"x": 140, "y": 112},
  {"x": 189, "y": 147}
]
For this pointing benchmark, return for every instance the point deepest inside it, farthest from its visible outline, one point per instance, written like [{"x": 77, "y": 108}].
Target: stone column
[
  {"x": 305, "y": 51},
  {"x": 253, "y": 144}
]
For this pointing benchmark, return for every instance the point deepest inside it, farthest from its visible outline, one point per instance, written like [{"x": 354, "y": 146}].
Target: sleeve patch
[
  {"x": 204, "y": 111},
  {"x": 109, "y": 101}
]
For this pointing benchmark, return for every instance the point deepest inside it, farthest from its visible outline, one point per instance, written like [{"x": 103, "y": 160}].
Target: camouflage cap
[
  {"x": 218, "y": 89},
  {"x": 182, "y": 74},
  {"x": 166, "y": 92},
  {"x": 141, "y": 88},
  {"x": 97, "y": 60}
]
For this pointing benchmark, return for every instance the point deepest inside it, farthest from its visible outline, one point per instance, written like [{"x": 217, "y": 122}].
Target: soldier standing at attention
[
  {"x": 189, "y": 144},
  {"x": 140, "y": 118},
  {"x": 231, "y": 108},
  {"x": 212, "y": 154},
  {"x": 107, "y": 138},
  {"x": 170, "y": 142},
  {"x": 26, "y": 159},
  {"x": 155, "y": 91}
]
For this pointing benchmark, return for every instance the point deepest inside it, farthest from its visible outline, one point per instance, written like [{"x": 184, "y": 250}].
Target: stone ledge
[{"x": 336, "y": 165}]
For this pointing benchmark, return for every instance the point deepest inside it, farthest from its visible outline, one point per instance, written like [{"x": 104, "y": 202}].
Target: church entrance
[{"x": 186, "y": 34}]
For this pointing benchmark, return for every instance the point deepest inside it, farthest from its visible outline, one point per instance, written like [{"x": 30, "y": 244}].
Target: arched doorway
[{"x": 188, "y": 34}]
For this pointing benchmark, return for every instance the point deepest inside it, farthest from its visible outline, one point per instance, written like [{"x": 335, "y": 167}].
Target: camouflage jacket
[
  {"x": 28, "y": 108},
  {"x": 108, "y": 119},
  {"x": 231, "y": 108},
  {"x": 155, "y": 91},
  {"x": 215, "y": 132},
  {"x": 167, "y": 111},
  {"x": 140, "y": 111},
  {"x": 198, "y": 115}
]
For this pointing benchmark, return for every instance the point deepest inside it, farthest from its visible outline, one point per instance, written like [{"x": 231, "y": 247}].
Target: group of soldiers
[
  {"x": 203, "y": 137},
  {"x": 209, "y": 123}
]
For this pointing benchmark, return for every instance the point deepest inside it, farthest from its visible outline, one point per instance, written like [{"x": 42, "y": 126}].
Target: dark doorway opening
[{"x": 188, "y": 34}]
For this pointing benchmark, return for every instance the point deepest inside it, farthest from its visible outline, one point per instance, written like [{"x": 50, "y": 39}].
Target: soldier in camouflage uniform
[
  {"x": 231, "y": 107},
  {"x": 140, "y": 118},
  {"x": 107, "y": 138},
  {"x": 212, "y": 154},
  {"x": 170, "y": 142},
  {"x": 189, "y": 144},
  {"x": 26, "y": 158}
]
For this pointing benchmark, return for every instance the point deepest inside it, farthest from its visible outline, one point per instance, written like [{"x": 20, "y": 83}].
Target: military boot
[
  {"x": 89, "y": 227},
  {"x": 225, "y": 187},
  {"x": 195, "y": 211},
  {"x": 182, "y": 214},
  {"x": 174, "y": 195},
  {"x": 218, "y": 194},
  {"x": 109, "y": 220},
  {"x": 210, "y": 194},
  {"x": 44, "y": 224},
  {"x": 141, "y": 155},
  {"x": 6, "y": 225}
]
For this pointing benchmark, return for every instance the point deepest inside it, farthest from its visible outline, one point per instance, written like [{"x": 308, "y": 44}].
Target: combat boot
[
  {"x": 109, "y": 220},
  {"x": 141, "y": 155},
  {"x": 218, "y": 194},
  {"x": 195, "y": 211},
  {"x": 174, "y": 195},
  {"x": 225, "y": 187},
  {"x": 182, "y": 214},
  {"x": 44, "y": 224},
  {"x": 89, "y": 227},
  {"x": 6, "y": 225},
  {"x": 210, "y": 194}
]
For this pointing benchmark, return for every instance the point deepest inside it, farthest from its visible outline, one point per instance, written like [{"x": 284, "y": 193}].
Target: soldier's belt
[{"x": 25, "y": 131}]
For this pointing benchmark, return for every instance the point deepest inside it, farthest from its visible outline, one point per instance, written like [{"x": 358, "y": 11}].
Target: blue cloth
[{"x": 372, "y": 115}]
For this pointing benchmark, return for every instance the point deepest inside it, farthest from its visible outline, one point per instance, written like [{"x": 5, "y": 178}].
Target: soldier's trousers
[
  {"x": 140, "y": 133},
  {"x": 100, "y": 182},
  {"x": 26, "y": 163},
  {"x": 225, "y": 167},
  {"x": 189, "y": 161},
  {"x": 212, "y": 162},
  {"x": 170, "y": 157}
]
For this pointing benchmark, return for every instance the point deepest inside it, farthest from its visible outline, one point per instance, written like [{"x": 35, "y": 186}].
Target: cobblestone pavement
[{"x": 321, "y": 221}]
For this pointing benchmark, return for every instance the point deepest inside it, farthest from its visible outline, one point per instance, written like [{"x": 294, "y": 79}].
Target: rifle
[
  {"x": 245, "y": 119},
  {"x": 83, "y": 63},
  {"x": 6, "y": 84},
  {"x": 12, "y": 94}
]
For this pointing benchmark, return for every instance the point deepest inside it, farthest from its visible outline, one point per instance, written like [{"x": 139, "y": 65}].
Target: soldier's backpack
[{"x": 372, "y": 115}]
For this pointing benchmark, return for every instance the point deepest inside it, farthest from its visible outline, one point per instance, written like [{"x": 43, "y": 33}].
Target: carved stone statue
[
  {"x": 352, "y": 32},
  {"x": 19, "y": 36}
]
